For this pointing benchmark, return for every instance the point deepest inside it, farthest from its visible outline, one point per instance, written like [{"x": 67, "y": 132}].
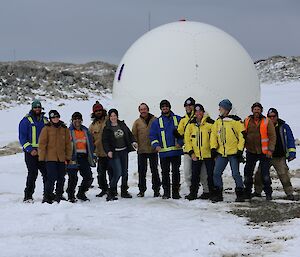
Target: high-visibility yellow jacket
[
  {"x": 197, "y": 137},
  {"x": 184, "y": 122},
  {"x": 183, "y": 125},
  {"x": 227, "y": 135}
]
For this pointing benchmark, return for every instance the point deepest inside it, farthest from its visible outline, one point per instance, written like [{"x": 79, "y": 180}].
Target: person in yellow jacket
[
  {"x": 197, "y": 144},
  {"x": 227, "y": 143},
  {"x": 189, "y": 105}
]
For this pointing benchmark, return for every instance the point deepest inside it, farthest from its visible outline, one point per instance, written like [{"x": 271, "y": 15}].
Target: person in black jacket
[{"x": 117, "y": 141}]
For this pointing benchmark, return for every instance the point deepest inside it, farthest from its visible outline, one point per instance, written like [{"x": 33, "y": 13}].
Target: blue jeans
[
  {"x": 119, "y": 164},
  {"x": 221, "y": 163}
]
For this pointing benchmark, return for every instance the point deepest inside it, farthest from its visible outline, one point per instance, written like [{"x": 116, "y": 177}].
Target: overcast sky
[{"x": 86, "y": 30}]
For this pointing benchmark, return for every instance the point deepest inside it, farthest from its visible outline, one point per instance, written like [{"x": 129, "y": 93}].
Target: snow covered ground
[{"x": 136, "y": 227}]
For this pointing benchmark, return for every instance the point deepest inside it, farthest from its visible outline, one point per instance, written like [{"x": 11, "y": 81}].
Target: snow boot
[
  {"x": 141, "y": 194},
  {"x": 71, "y": 198},
  {"x": 239, "y": 195},
  {"x": 125, "y": 194},
  {"x": 175, "y": 193},
  {"x": 111, "y": 195},
  {"x": 156, "y": 193},
  {"x": 102, "y": 193},
  {"x": 47, "y": 199},
  {"x": 218, "y": 195},
  {"x": 81, "y": 194},
  {"x": 27, "y": 198},
  {"x": 204, "y": 196}
]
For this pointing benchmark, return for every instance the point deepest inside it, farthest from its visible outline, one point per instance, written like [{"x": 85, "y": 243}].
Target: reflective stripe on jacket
[
  {"x": 162, "y": 134},
  {"x": 29, "y": 131}
]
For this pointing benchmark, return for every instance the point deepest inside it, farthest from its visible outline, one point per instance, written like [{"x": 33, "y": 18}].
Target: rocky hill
[
  {"x": 22, "y": 81},
  {"x": 278, "y": 69}
]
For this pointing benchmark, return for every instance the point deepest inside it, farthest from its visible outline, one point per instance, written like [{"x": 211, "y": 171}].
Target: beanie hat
[
  {"x": 199, "y": 107},
  {"x": 257, "y": 104},
  {"x": 76, "y": 115},
  {"x": 164, "y": 102},
  {"x": 272, "y": 110},
  {"x": 226, "y": 104},
  {"x": 36, "y": 104},
  {"x": 97, "y": 107},
  {"x": 53, "y": 114},
  {"x": 115, "y": 111},
  {"x": 189, "y": 101}
]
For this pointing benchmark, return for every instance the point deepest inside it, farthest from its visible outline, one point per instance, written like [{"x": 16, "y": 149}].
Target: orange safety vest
[
  {"x": 80, "y": 140},
  {"x": 263, "y": 129}
]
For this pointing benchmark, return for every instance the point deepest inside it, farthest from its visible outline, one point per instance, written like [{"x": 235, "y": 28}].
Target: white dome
[{"x": 183, "y": 59}]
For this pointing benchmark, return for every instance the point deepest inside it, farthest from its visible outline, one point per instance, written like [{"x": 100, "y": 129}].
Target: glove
[
  {"x": 240, "y": 156},
  {"x": 214, "y": 153},
  {"x": 239, "y": 153}
]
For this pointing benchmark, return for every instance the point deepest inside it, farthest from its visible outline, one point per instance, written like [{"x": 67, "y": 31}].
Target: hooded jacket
[
  {"x": 109, "y": 141},
  {"x": 227, "y": 135},
  {"x": 55, "y": 143},
  {"x": 197, "y": 137}
]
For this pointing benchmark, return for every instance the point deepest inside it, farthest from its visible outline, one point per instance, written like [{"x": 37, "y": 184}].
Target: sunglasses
[{"x": 37, "y": 107}]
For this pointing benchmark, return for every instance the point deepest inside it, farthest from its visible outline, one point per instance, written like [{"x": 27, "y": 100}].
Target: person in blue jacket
[
  {"x": 82, "y": 159},
  {"x": 29, "y": 131},
  {"x": 285, "y": 150},
  {"x": 164, "y": 140}
]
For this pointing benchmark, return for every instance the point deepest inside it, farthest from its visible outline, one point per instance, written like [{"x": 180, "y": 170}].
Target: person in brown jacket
[
  {"x": 260, "y": 145},
  {"x": 55, "y": 149},
  {"x": 99, "y": 117},
  {"x": 140, "y": 131}
]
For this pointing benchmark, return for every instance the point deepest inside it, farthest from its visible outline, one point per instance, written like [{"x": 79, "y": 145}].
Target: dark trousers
[
  {"x": 102, "y": 168},
  {"x": 55, "y": 173},
  {"x": 33, "y": 167},
  {"x": 165, "y": 164},
  {"x": 196, "y": 171},
  {"x": 85, "y": 172},
  {"x": 142, "y": 170},
  {"x": 119, "y": 164},
  {"x": 251, "y": 160}
]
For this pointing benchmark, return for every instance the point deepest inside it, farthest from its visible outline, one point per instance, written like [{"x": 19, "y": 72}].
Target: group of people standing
[{"x": 207, "y": 145}]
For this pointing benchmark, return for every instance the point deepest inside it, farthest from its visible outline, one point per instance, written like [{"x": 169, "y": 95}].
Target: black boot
[
  {"x": 111, "y": 195},
  {"x": 193, "y": 193},
  {"x": 217, "y": 195},
  {"x": 204, "y": 196},
  {"x": 239, "y": 195},
  {"x": 47, "y": 199},
  {"x": 125, "y": 194},
  {"x": 156, "y": 193},
  {"x": 81, "y": 194},
  {"x": 175, "y": 193},
  {"x": 27, "y": 198},
  {"x": 71, "y": 198},
  {"x": 102, "y": 193},
  {"x": 141, "y": 194}
]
